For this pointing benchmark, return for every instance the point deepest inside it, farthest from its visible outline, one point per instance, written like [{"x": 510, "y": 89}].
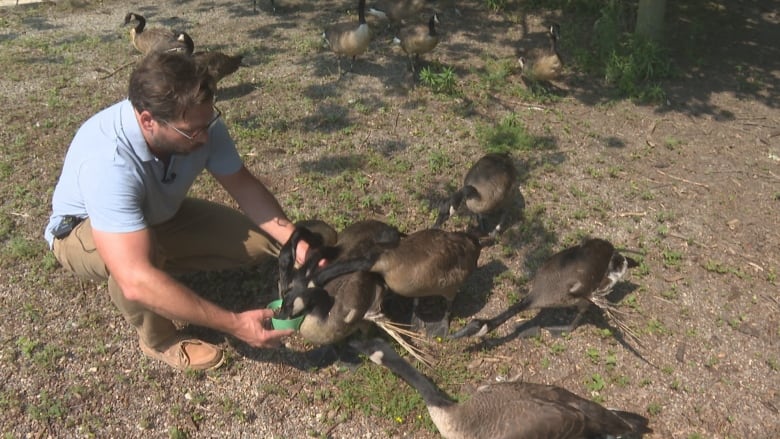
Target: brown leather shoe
[{"x": 185, "y": 353}]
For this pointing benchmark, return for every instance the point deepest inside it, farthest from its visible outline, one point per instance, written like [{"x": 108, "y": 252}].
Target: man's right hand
[{"x": 252, "y": 329}]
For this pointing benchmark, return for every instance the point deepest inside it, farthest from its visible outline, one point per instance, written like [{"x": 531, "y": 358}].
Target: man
[{"x": 120, "y": 211}]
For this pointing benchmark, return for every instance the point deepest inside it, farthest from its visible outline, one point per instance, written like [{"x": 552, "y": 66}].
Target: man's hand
[
  {"x": 252, "y": 330},
  {"x": 302, "y": 253}
]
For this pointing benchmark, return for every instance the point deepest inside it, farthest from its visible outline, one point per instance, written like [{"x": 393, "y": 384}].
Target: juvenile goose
[
  {"x": 346, "y": 39},
  {"x": 359, "y": 236},
  {"x": 575, "y": 277},
  {"x": 547, "y": 65},
  {"x": 218, "y": 64},
  {"x": 156, "y": 39},
  {"x": 510, "y": 409},
  {"x": 429, "y": 262},
  {"x": 487, "y": 187},
  {"x": 343, "y": 305},
  {"x": 396, "y": 10},
  {"x": 316, "y": 233},
  {"x": 418, "y": 39},
  {"x": 354, "y": 241}
]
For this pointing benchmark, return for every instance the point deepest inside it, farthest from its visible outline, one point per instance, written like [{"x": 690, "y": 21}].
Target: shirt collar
[{"x": 132, "y": 132}]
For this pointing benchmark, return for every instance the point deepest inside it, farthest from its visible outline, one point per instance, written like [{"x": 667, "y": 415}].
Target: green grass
[
  {"x": 509, "y": 135},
  {"x": 440, "y": 79},
  {"x": 374, "y": 391}
]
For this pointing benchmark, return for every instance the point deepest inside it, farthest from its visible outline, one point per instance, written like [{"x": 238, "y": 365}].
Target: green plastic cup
[{"x": 294, "y": 323}]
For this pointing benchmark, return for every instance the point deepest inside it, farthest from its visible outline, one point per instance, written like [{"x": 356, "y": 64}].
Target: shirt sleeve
[{"x": 224, "y": 158}]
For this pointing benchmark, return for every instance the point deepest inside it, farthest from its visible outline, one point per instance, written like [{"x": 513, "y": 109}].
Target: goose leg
[
  {"x": 561, "y": 329},
  {"x": 481, "y": 327},
  {"x": 324, "y": 356},
  {"x": 481, "y": 223},
  {"x": 436, "y": 327},
  {"x": 501, "y": 220},
  {"x": 352, "y": 64}
]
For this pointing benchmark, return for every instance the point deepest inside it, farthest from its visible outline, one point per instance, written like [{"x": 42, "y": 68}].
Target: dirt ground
[{"x": 691, "y": 184}]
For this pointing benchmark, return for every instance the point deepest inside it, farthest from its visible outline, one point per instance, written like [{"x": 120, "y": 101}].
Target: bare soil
[{"x": 693, "y": 184}]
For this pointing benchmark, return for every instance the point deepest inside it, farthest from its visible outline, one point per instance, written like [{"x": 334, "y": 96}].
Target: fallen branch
[
  {"x": 686, "y": 239},
  {"x": 682, "y": 179},
  {"x": 117, "y": 70}
]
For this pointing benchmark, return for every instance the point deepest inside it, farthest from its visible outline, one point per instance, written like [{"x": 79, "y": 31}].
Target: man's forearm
[{"x": 165, "y": 296}]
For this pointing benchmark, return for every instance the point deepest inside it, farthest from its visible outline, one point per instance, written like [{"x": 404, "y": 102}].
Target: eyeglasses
[{"x": 194, "y": 135}]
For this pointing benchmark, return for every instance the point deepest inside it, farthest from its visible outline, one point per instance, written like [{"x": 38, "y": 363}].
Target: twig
[
  {"x": 624, "y": 214},
  {"x": 686, "y": 239},
  {"x": 118, "y": 69},
  {"x": 333, "y": 427},
  {"x": 529, "y": 106},
  {"x": 757, "y": 125},
  {"x": 682, "y": 179}
]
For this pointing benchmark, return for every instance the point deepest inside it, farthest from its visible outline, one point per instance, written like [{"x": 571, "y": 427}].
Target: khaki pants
[{"x": 202, "y": 236}]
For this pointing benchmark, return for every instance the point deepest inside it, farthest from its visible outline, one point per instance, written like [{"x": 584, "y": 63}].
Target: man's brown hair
[{"x": 167, "y": 84}]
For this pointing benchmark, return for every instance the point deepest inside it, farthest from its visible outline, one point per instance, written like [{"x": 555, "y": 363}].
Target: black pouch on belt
[{"x": 65, "y": 226}]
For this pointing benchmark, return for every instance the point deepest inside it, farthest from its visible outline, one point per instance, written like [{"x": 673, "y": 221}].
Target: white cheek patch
[
  {"x": 351, "y": 316},
  {"x": 298, "y": 305},
  {"x": 576, "y": 287},
  {"x": 376, "y": 357},
  {"x": 452, "y": 210}
]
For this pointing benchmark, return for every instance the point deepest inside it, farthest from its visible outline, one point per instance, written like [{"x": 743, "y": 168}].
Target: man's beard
[{"x": 162, "y": 146}]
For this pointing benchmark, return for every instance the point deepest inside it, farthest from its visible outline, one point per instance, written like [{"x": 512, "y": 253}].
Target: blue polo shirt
[{"x": 111, "y": 177}]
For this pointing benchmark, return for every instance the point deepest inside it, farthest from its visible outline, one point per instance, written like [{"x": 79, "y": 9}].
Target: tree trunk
[{"x": 650, "y": 19}]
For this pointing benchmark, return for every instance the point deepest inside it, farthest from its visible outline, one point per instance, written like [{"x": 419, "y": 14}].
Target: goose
[
  {"x": 341, "y": 305},
  {"x": 487, "y": 187},
  {"x": 156, "y": 39},
  {"x": 217, "y": 64},
  {"x": 350, "y": 243},
  {"x": 316, "y": 233},
  {"x": 547, "y": 65},
  {"x": 418, "y": 39},
  {"x": 509, "y": 409},
  {"x": 346, "y": 39},
  {"x": 574, "y": 277},
  {"x": 429, "y": 262},
  {"x": 396, "y": 10}
]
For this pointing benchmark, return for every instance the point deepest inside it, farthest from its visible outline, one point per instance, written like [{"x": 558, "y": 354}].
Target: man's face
[{"x": 185, "y": 135}]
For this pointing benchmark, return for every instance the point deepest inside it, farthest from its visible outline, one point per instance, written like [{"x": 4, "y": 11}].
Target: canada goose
[
  {"x": 547, "y": 65},
  {"x": 336, "y": 310},
  {"x": 575, "y": 277},
  {"x": 353, "y": 241},
  {"x": 418, "y": 39},
  {"x": 346, "y": 39},
  {"x": 487, "y": 187},
  {"x": 429, "y": 262},
  {"x": 396, "y": 10},
  {"x": 218, "y": 64},
  {"x": 341, "y": 305},
  {"x": 156, "y": 39},
  {"x": 316, "y": 233},
  {"x": 509, "y": 409},
  {"x": 359, "y": 236}
]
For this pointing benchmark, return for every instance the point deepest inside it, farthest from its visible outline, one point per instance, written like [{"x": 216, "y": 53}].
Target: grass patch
[
  {"x": 374, "y": 391},
  {"x": 440, "y": 79},
  {"x": 509, "y": 135}
]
